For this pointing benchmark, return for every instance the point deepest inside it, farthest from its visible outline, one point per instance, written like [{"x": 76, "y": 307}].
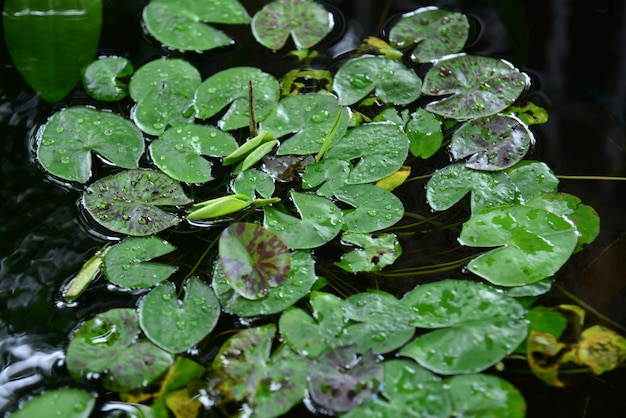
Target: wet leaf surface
[
  {"x": 481, "y": 395},
  {"x": 102, "y": 81},
  {"x": 376, "y": 252},
  {"x": 64, "y": 402},
  {"x": 374, "y": 208},
  {"x": 330, "y": 174},
  {"x": 70, "y": 136},
  {"x": 219, "y": 206},
  {"x": 251, "y": 182},
  {"x": 424, "y": 132}
]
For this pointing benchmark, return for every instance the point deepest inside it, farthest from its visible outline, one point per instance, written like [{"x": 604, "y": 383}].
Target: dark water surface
[{"x": 575, "y": 50}]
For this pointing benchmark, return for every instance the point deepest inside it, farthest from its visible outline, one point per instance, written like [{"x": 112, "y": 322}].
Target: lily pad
[
  {"x": 305, "y": 20},
  {"x": 389, "y": 79},
  {"x": 475, "y": 86},
  {"x": 435, "y": 32},
  {"x": 178, "y": 152},
  {"x": 181, "y": 24},
  {"x": 376, "y": 252},
  {"x": 67, "y": 139},
  {"x": 101, "y": 78},
  {"x": 250, "y": 182},
  {"x": 331, "y": 172},
  {"x": 233, "y": 86},
  {"x": 253, "y": 259},
  {"x": 481, "y": 395},
  {"x": 109, "y": 344},
  {"x": 297, "y": 286},
  {"x": 63, "y": 402},
  {"x": 175, "y": 325},
  {"x": 340, "y": 380},
  {"x": 125, "y": 263},
  {"x": 375, "y": 208},
  {"x": 381, "y": 149},
  {"x": 492, "y": 142},
  {"x": 424, "y": 132},
  {"x": 321, "y": 221},
  {"x": 533, "y": 244},
  {"x": 128, "y": 202}
]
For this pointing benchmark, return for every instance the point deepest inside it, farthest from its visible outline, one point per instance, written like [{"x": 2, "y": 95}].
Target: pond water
[{"x": 575, "y": 52}]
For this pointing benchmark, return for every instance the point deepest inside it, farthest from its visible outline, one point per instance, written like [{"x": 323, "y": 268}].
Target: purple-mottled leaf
[
  {"x": 127, "y": 202},
  {"x": 253, "y": 259}
]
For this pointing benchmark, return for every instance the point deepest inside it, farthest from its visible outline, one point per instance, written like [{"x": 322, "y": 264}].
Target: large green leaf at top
[
  {"x": 435, "y": 33},
  {"x": 389, "y": 79},
  {"x": 108, "y": 343},
  {"x": 532, "y": 244},
  {"x": 233, "y": 86},
  {"x": 305, "y": 20},
  {"x": 475, "y": 86},
  {"x": 320, "y": 221},
  {"x": 128, "y": 202},
  {"x": 179, "y": 151},
  {"x": 101, "y": 78},
  {"x": 253, "y": 259},
  {"x": 64, "y": 402},
  {"x": 310, "y": 117},
  {"x": 66, "y": 141},
  {"x": 482, "y": 395},
  {"x": 381, "y": 149},
  {"x": 50, "y": 42},
  {"x": 125, "y": 263},
  {"x": 180, "y": 24},
  {"x": 177, "y": 325},
  {"x": 374, "y": 207}
]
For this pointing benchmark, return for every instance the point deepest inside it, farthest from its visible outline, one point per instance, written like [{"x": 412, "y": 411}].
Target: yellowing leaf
[
  {"x": 601, "y": 349},
  {"x": 182, "y": 405},
  {"x": 396, "y": 179},
  {"x": 374, "y": 45},
  {"x": 541, "y": 348}
]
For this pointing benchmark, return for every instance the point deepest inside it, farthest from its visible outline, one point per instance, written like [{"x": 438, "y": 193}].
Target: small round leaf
[
  {"x": 481, "y": 395},
  {"x": 63, "y": 402},
  {"x": 101, "y": 78},
  {"x": 375, "y": 208}
]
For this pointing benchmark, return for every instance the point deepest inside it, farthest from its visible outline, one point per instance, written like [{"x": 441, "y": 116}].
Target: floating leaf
[
  {"x": 305, "y": 20},
  {"x": 375, "y": 253},
  {"x": 381, "y": 149},
  {"x": 375, "y": 208},
  {"x": 220, "y": 206},
  {"x": 253, "y": 259},
  {"x": 532, "y": 178},
  {"x": 481, "y": 395},
  {"x": 339, "y": 380},
  {"x": 108, "y": 344},
  {"x": 389, "y": 79},
  {"x": 67, "y": 139},
  {"x": 333, "y": 173},
  {"x": 175, "y": 325},
  {"x": 535, "y": 289},
  {"x": 297, "y": 286},
  {"x": 436, "y": 32},
  {"x": 181, "y": 24},
  {"x": 128, "y": 202},
  {"x": 409, "y": 390},
  {"x": 178, "y": 152},
  {"x": 50, "y": 42},
  {"x": 424, "y": 132},
  {"x": 233, "y": 86},
  {"x": 530, "y": 113},
  {"x": 533, "y": 244},
  {"x": 477, "y": 86},
  {"x": 125, "y": 263},
  {"x": 398, "y": 178},
  {"x": 63, "y": 402},
  {"x": 492, "y": 142},
  {"x": 101, "y": 78},
  {"x": 251, "y": 181},
  {"x": 544, "y": 320},
  {"x": 601, "y": 349}
]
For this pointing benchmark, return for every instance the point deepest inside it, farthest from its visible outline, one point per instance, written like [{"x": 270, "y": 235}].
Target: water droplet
[
  {"x": 167, "y": 296},
  {"x": 320, "y": 116},
  {"x": 361, "y": 303},
  {"x": 212, "y": 90},
  {"x": 360, "y": 81},
  {"x": 180, "y": 325},
  {"x": 158, "y": 125},
  {"x": 65, "y": 160},
  {"x": 60, "y": 129}
]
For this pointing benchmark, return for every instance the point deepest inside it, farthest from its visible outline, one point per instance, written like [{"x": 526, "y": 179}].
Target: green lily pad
[
  {"x": 67, "y": 139},
  {"x": 479, "y": 326},
  {"x": 492, "y": 142},
  {"x": 63, "y": 402},
  {"x": 340, "y": 380},
  {"x": 424, "y": 132},
  {"x": 253, "y": 259},
  {"x": 109, "y": 344},
  {"x": 381, "y": 149},
  {"x": 125, "y": 263},
  {"x": 532, "y": 178},
  {"x": 181, "y": 24},
  {"x": 233, "y": 86},
  {"x": 175, "y": 325},
  {"x": 163, "y": 90},
  {"x": 305, "y": 20},
  {"x": 310, "y": 336},
  {"x": 178, "y": 152},
  {"x": 409, "y": 390},
  {"x": 50, "y": 42},
  {"x": 331, "y": 172},
  {"x": 481, "y": 395},
  {"x": 101, "y": 78},
  {"x": 375, "y": 253},
  {"x": 374, "y": 208},
  {"x": 310, "y": 117},
  {"x": 533, "y": 244},
  {"x": 127, "y": 202},
  {"x": 389, "y": 79},
  {"x": 321, "y": 221},
  {"x": 534, "y": 289},
  {"x": 475, "y": 86},
  {"x": 435, "y": 33},
  {"x": 297, "y": 286},
  {"x": 250, "y": 182}
]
